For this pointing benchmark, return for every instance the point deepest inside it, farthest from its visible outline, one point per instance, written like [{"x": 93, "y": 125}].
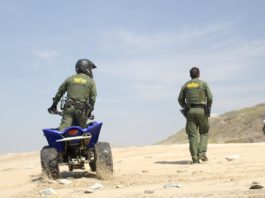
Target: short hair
[{"x": 194, "y": 72}]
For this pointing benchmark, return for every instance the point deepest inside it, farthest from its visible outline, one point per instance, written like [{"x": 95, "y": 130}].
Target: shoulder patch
[
  {"x": 192, "y": 85},
  {"x": 79, "y": 80}
]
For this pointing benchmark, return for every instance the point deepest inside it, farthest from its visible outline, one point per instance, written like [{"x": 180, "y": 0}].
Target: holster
[
  {"x": 185, "y": 110},
  {"x": 87, "y": 108},
  {"x": 207, "y": 110},
  {"x": 67, "y": 103}
]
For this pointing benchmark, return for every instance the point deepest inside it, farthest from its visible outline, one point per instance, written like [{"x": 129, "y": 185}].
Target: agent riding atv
[
  {"x": 81, "y": 95},
  {"x": 75, "y": 142}
]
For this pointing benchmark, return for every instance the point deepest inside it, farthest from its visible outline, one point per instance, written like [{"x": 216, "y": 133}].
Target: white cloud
[
  {"x": 166, "y": 42},
  {"x": 159, "y": 63},
  {"x": 45, "y": 54}
]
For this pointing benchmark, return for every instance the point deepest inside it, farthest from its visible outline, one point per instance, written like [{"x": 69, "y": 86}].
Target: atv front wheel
[
  {"x": 103, "y": 160},
  {"x": 49, "y": 162}
]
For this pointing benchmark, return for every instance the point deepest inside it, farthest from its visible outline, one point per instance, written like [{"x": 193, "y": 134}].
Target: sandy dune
[{"x": 142, "y": 172}]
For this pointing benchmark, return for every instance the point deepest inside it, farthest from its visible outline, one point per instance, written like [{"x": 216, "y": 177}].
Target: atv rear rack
[{"x": 74, "y": 138}]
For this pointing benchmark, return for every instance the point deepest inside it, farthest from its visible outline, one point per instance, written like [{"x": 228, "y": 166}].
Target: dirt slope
[{"x": 241, "y": 126}]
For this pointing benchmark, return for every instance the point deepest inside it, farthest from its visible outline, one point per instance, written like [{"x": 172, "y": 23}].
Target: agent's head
[
  {"x": 85, "y": 66},
  {"x": 194, "y": 72}
]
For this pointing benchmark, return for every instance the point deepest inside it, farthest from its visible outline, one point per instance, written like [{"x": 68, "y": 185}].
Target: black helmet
[
  {"x": 85, "y": 66},
  {"x": 194, "y": 72}
]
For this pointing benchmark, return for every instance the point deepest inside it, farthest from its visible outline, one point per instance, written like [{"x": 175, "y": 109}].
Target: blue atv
[{"x": 75, "y": 146}]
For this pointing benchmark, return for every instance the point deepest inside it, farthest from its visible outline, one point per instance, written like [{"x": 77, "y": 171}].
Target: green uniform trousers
[
  {"x": 197, "y": 128},
  {"x": 73, "y": 117}
]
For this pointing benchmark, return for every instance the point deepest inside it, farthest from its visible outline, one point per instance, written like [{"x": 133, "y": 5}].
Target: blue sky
[{"x": 143, "y": 49}]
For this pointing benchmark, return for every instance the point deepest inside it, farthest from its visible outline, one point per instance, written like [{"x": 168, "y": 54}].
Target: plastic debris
[
  {"x": 47, "y": 192},
  {"x": 64, "y": 181},
  {"x": 232, "y": 157},
  {"x": 96, "y": 186},
  {"x": 172, "y": 185}
]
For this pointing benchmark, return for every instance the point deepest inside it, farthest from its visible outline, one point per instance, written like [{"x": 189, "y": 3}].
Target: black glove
[
  {"x": 53, "y": 108},
  {"x": 91, "y": 116}
]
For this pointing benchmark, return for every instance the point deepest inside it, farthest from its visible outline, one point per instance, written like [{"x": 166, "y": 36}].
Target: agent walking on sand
[{"x": 196, "y": 98}]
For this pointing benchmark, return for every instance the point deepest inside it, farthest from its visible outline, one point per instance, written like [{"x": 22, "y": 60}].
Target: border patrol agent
[
  {"x": 196, "y": 98},
  {"x": 81, "y": 95}
]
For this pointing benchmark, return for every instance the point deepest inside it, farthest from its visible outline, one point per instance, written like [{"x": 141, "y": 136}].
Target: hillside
[{"x": 241, "y": 126}]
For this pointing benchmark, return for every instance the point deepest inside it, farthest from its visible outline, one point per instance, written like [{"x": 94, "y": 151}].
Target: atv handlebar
[{"x": 56, "y": 112}]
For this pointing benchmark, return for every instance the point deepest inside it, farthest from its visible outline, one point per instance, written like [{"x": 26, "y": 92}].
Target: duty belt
[
  {"x": 197, "y": 105},
  {"x": 78, "y": 104}
]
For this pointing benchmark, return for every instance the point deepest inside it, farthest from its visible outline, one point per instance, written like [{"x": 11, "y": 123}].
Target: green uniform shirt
[
  {"x": 80, "y": 87},
  {"x": 195, "y": 91}
]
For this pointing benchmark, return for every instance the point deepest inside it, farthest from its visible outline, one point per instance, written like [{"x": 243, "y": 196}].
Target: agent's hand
[
  {"x": 53, "y": 108},
  {"x": 91, "y": 116}
]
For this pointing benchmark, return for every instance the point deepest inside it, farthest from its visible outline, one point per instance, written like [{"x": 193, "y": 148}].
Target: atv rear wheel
[
  {"x": 49, "y": 162},
  {"x": 103, "y": 160}
]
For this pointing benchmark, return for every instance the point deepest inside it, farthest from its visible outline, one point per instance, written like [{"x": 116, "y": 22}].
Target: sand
[{"x": 142, "y": 172}]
